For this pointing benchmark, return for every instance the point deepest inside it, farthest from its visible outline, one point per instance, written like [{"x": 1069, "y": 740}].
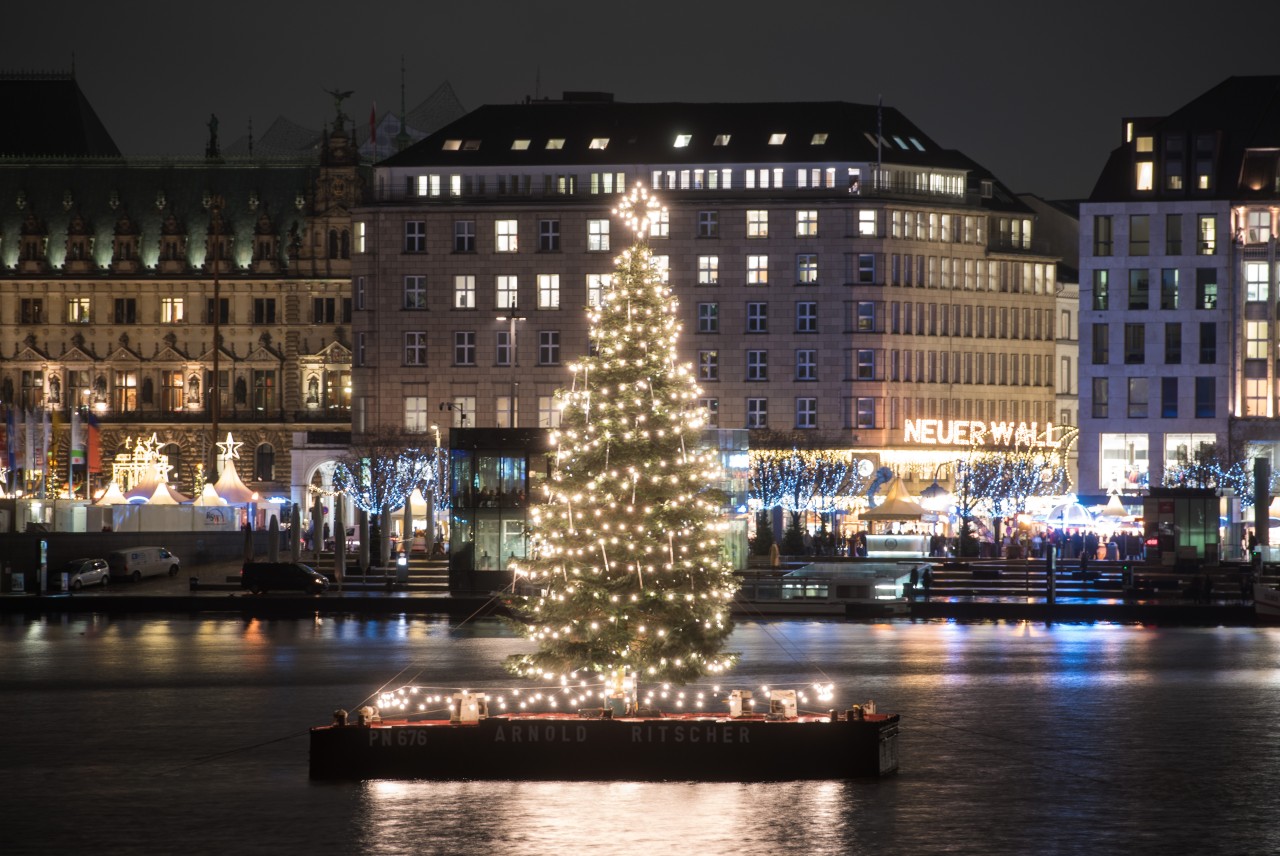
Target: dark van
[{"x": 259, "y": 577}]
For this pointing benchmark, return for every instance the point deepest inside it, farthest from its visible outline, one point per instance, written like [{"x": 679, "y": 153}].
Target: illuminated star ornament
[
  {"x": 639, "y": 211},
  {"x": 229, "y": 448}
]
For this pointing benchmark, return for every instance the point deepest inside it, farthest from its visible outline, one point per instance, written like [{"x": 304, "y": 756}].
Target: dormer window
[
  {"x": 901, "y": 143},
  {"x": 916, "y": 143},
  {"x": 471, "y": 145},
  {"x": 777, "y": 139},
  {"x": 519, "y": 145},
  {"x": 1145, "y": 144},
  {"x": 818, "y": 140},
  {"x": 721, "y": 140},
  {"x": 599, "y": 143},
  {"x": 683, "y": 140},
  {"x": 557, "y": 143},
  {"x": 452, "y": 145}
]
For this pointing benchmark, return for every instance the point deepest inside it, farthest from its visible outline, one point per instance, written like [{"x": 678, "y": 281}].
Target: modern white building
[
  {"x": 1178, "y": 299},
  {"x": 846, "y": 281}
]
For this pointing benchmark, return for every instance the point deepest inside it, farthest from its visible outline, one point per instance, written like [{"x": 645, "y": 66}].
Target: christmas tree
[{"x": 626, "y": 540}]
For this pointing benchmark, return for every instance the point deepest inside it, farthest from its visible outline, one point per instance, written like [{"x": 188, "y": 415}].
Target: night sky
[{"x": 1033, "y": 94}]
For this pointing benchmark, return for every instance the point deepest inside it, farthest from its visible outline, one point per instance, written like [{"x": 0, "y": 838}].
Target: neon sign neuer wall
[{"x": 964, "y": 432}]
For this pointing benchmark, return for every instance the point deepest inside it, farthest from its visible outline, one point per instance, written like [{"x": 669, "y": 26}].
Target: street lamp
[
  {"x": 435, "y": 493},
  {"x": 513, "y": 362}
]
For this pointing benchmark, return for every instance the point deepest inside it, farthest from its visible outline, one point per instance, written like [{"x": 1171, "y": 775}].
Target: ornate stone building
[{"x": 139, "y": 289}]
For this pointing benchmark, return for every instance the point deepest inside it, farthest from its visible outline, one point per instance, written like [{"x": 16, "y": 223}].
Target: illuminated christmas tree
[{"x": 626, "y": 540}]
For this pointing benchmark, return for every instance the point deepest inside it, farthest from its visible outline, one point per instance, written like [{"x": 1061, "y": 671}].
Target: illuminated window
[
  {"x": 1208, "y": 231},
  {"x": 757, "y": 270},
  {"x": 599, "y": 143},
  {"x": 171, "y": 310},
  {"x": 807, "y": 268},
  {"x": 708, "y": 270},
  {"x": 451, "y": 145},
  {"x": 806, "y": 224},
  {"x": 597, "y": 236},
  {"x": 556, "y": 143},
  {"x": 507, "y": 291},
  {"x": 519, "y": 145},
  {"x": 596, "y": 283},
  {"x": 1144, "y": 175},
  {"x": 1169, "y": 288},
  {"x": 360, "y": 236},
  {"x": 777, "y": 139},
  {"x": 818, "y": 140},
  {"x": 660, "y": 224},
  {"x": 1256, "y": 337},
  {"x": 757, "y": 223},
  {"x": 548, "y": 291},
  {"x": 867, "y": 223},
  {"x": 683, "y": 140},
  {"x": 506, "y": 237},
  {"x": 721, "y": 140},
  {"x": 1258, "y": 227},
  {"x": 548, "y": 412},
  {"x": 464, "y": 292},
  {"x": 1256, "y": 280},
  {"x": 78, "y": 311}
]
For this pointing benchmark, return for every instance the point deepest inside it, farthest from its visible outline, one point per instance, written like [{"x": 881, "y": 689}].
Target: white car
[{"x": 83, "y": 572}]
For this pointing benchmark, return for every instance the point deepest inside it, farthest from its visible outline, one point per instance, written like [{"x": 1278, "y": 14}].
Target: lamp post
[
  {"x": 435, "y": 492},
  {"x": 514, "y": 362}
]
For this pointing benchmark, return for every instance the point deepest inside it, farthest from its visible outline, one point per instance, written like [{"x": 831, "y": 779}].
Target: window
[
  {"x": 1256, "y": 280},
  {"x": 1135, "y": 344},
  {"x": 1139, "y": 289},
  {"x": 757, "y": 318},
  {"x": 757, "y": 223},
  {"x": 548, "y": 412},
  {"x": 1173, "y": 235},
  {"x": 757, "y": 413},
  {"x": 596, "y": 283},
  {"x": 264, "y": 462},
  {"x": 864, "y": 413},
  {"x": 464, "y": 236},
  {"x": 172, "y": 384},
  {"x": 807, "y": 316},
  {"x": 415, "y": 236},
  {"x": 1206, "y": 393},
  {"x": 126, "y": 311},
  {"x": 361, "y": 234},
  {"x": 1137, "y": 398},
  {"x": 1101, "y": 290},
  {"x": 1100, "y": 394},
  {"x": 415, "y": 349},
  {"x": 1102, "y": 235},
  {"x": 1256, "y": 340},
  {"x": 1169, "y": 288},
  {"x": 506, "y": 239},
  {"x": 708, "y": 317},
  {"x": 709, "y": 365},
  {"x": 757, "y": 270},
  {"x": 806, "y": 364},
  {"x": 464, "y": 348},
  {"x": 712, "y": 407},
  {"x": 507, "y": 409},
  {"x": 708, "y": 270},
  {"x": 806, "y": 413},
  {"x": 597, "y": 236},
  {"x": 865, "y": 367},
  {"x": 806, "y": 224},
  {"x": 324, "y": 310},
  {"x": 415, "y": 292},
  {"x": 171, "y": 310},
  {"x": 1208, "y": 343},
  {"x": 507, "y": 292},
  {"x": 78, "y": 310},
  {"x": 361, "y": 349},
  {"x": 1169, "y": 397},
  {"x": 865, "y": 317},
  {"x": 660, "y": 224},
  {"x": 1257, "y": 227},
  {"x": 464, "y": 292},
  {"x": 548, "y": 236},
  {"x": 1172, "y": 344},
  {"x": 360, "y": 292},
  {"x": 807, "y": 268},
  {"x": 1139, "y": 235},
  {"x": 1207, "y": 230},
  {"x": 464, "y": 411},
  {"x": 708, "y": 224},
  {"x": 867, "y": 267},
  {"x": 757, "y": 365},
  {"x": 264, "y": 310},
  {"x": 504, "y": 353},
  {"x": 867, "y": 223},
  {"x": 1206, "y": 288},
  {"x": 548, "y": 291},
  {"x": 265, "y": 390},
  {"x": 598, "y": 143},
  {"x": 1100, "y": 345},
  {"x": 549, "y": 348},
  {"x": 416, "y": 415}
]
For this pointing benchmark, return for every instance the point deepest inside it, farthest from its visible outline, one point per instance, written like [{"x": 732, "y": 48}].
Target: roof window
[
  {"x": 452, "y": 145},
  {"x": 916, "y": 143},
  {"x": 471, "y": 146},
  {"x": 818, "y": 140},
  {"x": 599, "y": 143},
  {"x": 777, "y": 139},
  {"x": 557, "y": 143},
  {"x": 519, "y": 145},
  {"x": 682, "y": 140},
  {"x": 721, "y": 140}
]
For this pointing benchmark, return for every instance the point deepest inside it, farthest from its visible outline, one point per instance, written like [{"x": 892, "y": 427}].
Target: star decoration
[
  {"x": 639, "y": 210},
  {"x": 229, "y": 449}
]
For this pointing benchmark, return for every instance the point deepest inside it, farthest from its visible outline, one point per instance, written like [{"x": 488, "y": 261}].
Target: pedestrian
[
  {"x": 927, "y": 580},
  {"x": 775, "y": 560}
]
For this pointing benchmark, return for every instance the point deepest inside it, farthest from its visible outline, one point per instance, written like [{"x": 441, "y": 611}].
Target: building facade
[
  {"x": 139, "y": 289},
  {"x": 845, "y": 281},
  {"x": 1178, "y": 290}
]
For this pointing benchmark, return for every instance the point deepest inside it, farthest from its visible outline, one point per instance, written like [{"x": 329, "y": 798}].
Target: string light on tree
[{"x": 626, "y": 537}]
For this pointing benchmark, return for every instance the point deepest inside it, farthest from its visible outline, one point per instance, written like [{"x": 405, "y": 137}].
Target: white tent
[
  {"x": 112, "y": 496},
  {"x": 898, "y": 505},
  {"x": 165, "y": 495},
  {"x": 209, "y": 497},
  {"x": 229, "y": 486}
]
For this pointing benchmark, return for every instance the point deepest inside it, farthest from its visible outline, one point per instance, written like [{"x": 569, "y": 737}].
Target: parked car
[
  {"x": 259, "y": 577},
  {"x": 83, "y": 572},
  {"x": 135, "y": 563}
]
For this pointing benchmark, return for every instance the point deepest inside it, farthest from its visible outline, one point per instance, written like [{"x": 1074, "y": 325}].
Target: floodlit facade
[
  {"x": 1178, "y": 289},
  {"x": 845, "y": 281}
]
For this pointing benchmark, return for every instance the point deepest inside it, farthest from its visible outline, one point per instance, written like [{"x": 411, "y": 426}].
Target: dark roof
[
  {"x": 1243, "y": 113},
  {"x": 645, "y": 134},
  {"x": 48, "y": 116}
]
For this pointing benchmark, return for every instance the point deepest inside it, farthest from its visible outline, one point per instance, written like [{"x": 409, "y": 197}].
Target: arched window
[
  {"x": 333, "y": 243},
  {"x": 264, "y": 463}
]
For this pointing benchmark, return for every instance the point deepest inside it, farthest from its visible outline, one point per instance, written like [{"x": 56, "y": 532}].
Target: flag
[
  {"x": 95, "y": 444},
  {"x": 10, "y": 448},
  {"x": 30, "y": 462},
  {"x": 77, "y": 441},
  {"x": 373, "y": 127}
]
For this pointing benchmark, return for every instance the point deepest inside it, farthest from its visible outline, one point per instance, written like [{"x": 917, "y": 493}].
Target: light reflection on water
[{"x": 1017, "y": 738}]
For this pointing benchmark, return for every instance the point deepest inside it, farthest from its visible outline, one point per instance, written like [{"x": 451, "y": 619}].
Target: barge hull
[{"x": 659, "y": 749}]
